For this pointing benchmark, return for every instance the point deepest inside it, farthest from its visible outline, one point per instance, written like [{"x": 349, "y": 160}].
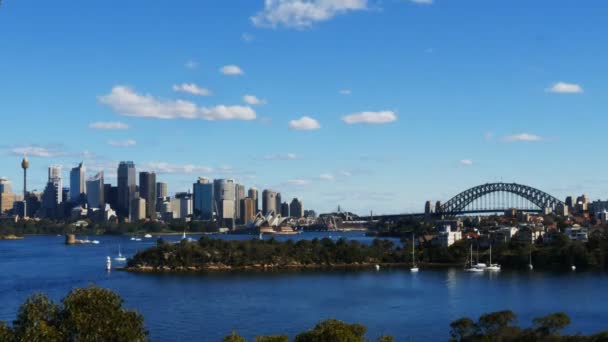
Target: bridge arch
[{"x": 459, "y": 203}]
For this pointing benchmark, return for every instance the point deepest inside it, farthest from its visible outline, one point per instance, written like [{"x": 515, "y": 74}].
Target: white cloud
[
  {"x": 422, "y": 2},
  {"x": 222, "y": 112},
  {"x": 231, "y": 70},
  {"x": 191, "y": 64},
  {"x": 122, "y": 143},
  {"x": 288, "y": 156},
  {"x": 298, "y": 182},
  {"x": 162, "y": 167},
  {"x": 327, "y": 177},
  {"x": 37, "y": 151},
  {"x": 522, "y": 137},
  {"x": 303, "y": 13},
  {"x": 565, "y": 88},
  {"x": 304, "y": 123},
  {"x": 345, "y": 92},
  {"x": 125, "y": 101},
  {"x": 247, "y": 37},
  {"x": 115, "y": 125},
  {"x": 466, "y": 162},
  {"x": 382, "y": 117},
  {"x": 191, "y": 88},
  {"x": 253, "y": 100}
]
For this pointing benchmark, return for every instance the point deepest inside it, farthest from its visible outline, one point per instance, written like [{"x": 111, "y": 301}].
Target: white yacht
[
  {"x": 470, "y": 267},
  {"x": 414, "y": 266},
  {"x": 108, "y": 264},
  {"x": 492, "y": 267},
  {"x": 148, "y": 236},
  {"x": 120, "y": 257}
]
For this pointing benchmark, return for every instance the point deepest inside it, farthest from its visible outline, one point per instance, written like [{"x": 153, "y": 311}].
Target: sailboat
[
  {"x": 120, "y": 257},
  {"x": 530, "y": 266},
  {"x": 492, "y": 267},
  {"x": 186, "y": 238},
  {"x": 470, "y": 267},
  {"x": 479, "y": 264},
  {"x": 414, "y": 266},
  {"x": 108, "y": 264}
]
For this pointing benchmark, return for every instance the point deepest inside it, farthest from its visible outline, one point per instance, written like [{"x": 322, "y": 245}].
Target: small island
[
  {"x": 209, "y": 254},
  {"x": 11, "y": 237}
]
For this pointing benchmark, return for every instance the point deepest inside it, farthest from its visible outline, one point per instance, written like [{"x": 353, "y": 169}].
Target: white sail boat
[
  {"x": 530, "y": 266},
  {"x": 492, "y": 267},
  {"x": 120, "y": 257},
  {"x": 108, "y": 264},
  {"x": 470, "y": 267},
  {"x": 414, "y": 266}
]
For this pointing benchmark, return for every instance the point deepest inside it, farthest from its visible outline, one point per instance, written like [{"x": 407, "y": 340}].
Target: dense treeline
[
  {"x": 499, "y": 326},
  {"x": 89, "y": 314},
  {"x": 210, "y": 253},
  {"x": 53, "y": 227},
  {"x": 559, "y": 254}
]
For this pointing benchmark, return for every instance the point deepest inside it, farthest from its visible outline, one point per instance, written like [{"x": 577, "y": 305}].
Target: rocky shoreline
[{"x": 273, "y": 267}]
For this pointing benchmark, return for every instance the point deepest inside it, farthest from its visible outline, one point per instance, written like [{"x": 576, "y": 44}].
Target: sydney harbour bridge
[{"x": 488, "y": 198}]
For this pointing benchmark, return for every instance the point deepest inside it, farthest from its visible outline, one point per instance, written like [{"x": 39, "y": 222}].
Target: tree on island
[{"x": 89, "y": 314}]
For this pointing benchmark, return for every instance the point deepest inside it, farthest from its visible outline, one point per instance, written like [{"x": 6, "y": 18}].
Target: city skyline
[{"x": 300, "y": 104}]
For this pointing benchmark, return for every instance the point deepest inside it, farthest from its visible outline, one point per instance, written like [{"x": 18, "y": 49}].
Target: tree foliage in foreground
[
  {"x": 88, "y": 314},
  {"x": 499, "y": 326}
]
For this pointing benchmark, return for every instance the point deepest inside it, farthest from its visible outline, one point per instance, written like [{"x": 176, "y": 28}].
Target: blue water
[{"x": 390, "y": 301}]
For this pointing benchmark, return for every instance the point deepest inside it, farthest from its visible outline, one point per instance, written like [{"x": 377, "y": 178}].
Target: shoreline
[{"x": 271, "y": 267}]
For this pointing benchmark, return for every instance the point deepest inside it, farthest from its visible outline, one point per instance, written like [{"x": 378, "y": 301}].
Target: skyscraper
[
  {"x": 253, "y": 194},
  {"x": 247, "y": 210},
  {"x": 285, "y": 209},
  {"x": 77, "y": 183},
  {"x": 224, "y": 193},
  {"x": 147, "y": 191},
  {"x": 269, "y": 202},
  {"x": 96, "y": 191},
  {"x": 279, "y": 202},
  {"x": 126, "y": 187},
  {"x": 162, "y": 190},
  {"x": 239, "y": 194},
  {"x": 7, "y": 198},
  {"x": 53, "y": 193},
  {"x": 203, "y": 198},
  {"x": 296, "y": 208}
]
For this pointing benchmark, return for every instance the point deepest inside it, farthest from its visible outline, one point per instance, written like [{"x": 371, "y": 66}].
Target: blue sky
[{"x": 371, "y": 105}]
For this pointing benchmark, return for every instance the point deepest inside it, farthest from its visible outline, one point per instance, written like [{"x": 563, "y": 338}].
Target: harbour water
[{"x": 207, "y": 307}]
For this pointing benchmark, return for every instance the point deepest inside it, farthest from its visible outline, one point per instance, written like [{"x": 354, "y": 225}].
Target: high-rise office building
[
  {"x": 96, "y": 191},
  {"x": 127, "y": 187},
  {"x": 285, "y": 209},
  {"x": 279, "y": 202},
  {"x": 239, "y": 194},
  {"x": 5, "y": 185},
  {"x": 247, "y": 210},
  {"x": 162, "y": 190},
  {"x": 7, "y": 197},
  {"x": 224, "y": 193},
  {"x": 269, "y": 202},
  {"x": 53, "y": 193},
  {"x": 138, "y": 209},
  {"x": 77, "y": 183},
  {"x": 253, "y": 194},
  {"x": 203, "y": 200},
  {"x": 296, "y": 208},
  {"x": 147, "y": 191}
]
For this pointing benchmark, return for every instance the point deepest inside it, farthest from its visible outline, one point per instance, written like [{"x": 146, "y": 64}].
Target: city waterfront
[{"x": 207, "y": 307}]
